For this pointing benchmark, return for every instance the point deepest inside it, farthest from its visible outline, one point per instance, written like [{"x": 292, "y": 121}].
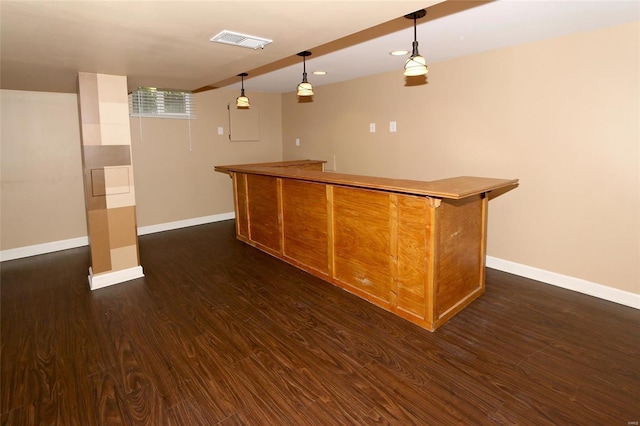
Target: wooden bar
[{"x": 414, "y": 248}]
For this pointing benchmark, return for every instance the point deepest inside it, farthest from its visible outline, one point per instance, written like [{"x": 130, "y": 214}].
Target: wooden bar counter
[{"x": 414, "y": 248}]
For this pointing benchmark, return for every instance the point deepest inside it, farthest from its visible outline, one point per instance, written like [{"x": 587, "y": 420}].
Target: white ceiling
[
  {"x": 490, "y": 26},
  {"x": 166, "y": 43}
]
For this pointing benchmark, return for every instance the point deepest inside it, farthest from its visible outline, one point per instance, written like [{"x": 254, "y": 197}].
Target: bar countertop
[{"x": 453, "y": 188}]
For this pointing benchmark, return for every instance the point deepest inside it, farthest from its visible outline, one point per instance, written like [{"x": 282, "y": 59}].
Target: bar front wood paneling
[
  {"x": 304, "y": 224},
  {"x": 414, "y": 248},
  {"x": 263, "y": 211}
]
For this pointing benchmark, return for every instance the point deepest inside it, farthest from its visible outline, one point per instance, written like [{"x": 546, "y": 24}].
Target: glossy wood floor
[{"x": 220, "y": 333}]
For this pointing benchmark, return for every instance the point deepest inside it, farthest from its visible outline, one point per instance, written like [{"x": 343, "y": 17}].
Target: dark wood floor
[{"x": 220, "y": 333}]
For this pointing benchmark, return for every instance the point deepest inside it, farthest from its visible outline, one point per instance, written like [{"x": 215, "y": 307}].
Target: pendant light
[
  {"x": 242, "y": 101},
  {"x": 415, "y": 65},
  {"x": 304, "y": 88}
]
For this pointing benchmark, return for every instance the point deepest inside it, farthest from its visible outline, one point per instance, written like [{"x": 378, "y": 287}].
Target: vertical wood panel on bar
[
  {"x": 240, "y": 198},
  {"x": 413, "y": 268},
  {"x": 414, "y": 248},
  {"x": 304, "y": 223}
]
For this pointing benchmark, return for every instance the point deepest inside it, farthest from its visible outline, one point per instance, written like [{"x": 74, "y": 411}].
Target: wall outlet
[
  {"x": 220, "y": 130},
  {"x": 392, "y": 126},
  {"x": 372, "y": 127},
  {"x": 297, "y": 142}
]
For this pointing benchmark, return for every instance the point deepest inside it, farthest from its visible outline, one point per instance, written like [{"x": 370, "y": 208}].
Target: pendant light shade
[
  {"x": 242, "y": 101},
  {"x": 304, "y": 88},
  {"x": 416, "y": 64}
]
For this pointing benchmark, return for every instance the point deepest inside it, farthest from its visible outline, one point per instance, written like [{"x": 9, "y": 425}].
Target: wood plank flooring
[{"x": 218, "y": 333}]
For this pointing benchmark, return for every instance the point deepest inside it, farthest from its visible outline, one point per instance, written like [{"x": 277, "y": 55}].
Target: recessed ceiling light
[
  {"x": 319, "y": 72},
  {"x": 399, "y": 52}
]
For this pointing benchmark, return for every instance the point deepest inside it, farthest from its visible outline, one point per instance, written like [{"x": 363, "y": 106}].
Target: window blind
[{"x": 161, "y": 103}]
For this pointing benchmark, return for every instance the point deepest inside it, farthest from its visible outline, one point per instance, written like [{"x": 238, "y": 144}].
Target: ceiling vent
[{"x": 242, "y": 40}]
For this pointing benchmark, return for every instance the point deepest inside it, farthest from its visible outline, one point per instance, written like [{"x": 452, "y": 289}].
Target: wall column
[{"x": 108, "y": 179}]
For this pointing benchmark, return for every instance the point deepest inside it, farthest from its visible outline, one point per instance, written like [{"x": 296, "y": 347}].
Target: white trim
[
  {"x": 115, "y": 277},
  {"x": 43, "y": 248},
  {"x": 570, "y": 283},
  {"x": 169, "y": 226},
  {"x": 34, "y": 250}
]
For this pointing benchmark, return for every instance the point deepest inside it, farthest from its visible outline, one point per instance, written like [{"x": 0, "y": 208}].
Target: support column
[{"x": 108, "y": 179}]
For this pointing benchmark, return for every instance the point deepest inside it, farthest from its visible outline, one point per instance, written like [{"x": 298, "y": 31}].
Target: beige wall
[
  {"x": 561, "y": 115},
  {"x": 42, "y": 190},
  {"x": 175, "y": 181},
  {"x": 42, "y": 198}
]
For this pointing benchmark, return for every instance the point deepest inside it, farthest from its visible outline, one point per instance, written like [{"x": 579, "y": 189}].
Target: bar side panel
[
  {"x": 362, "y": 241},
  {"x": 459, "y": 266},
  {"x": 264, "y": 225},
  {"x": 304, "y": 206}
]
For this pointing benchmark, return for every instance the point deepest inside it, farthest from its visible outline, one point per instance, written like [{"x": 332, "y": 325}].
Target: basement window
[{"x": 161, "y": 103}]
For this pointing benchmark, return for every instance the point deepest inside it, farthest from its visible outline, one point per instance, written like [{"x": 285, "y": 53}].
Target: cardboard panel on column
[{"x": 108, "y": 179}]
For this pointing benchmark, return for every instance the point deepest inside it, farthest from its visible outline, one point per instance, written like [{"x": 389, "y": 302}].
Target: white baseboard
[
  {"x": 53, "y": 246},
  {"x": 570, "y": 283},
  {"x": 151, "y": 229},
  {"x": 44, "y": 248},
  {"x": 116, "y": 277}
]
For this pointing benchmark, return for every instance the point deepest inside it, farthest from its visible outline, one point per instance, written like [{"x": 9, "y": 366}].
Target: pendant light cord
[
  {"x": 304, "y": 70},
  {"x": 414, "y": 45}
]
